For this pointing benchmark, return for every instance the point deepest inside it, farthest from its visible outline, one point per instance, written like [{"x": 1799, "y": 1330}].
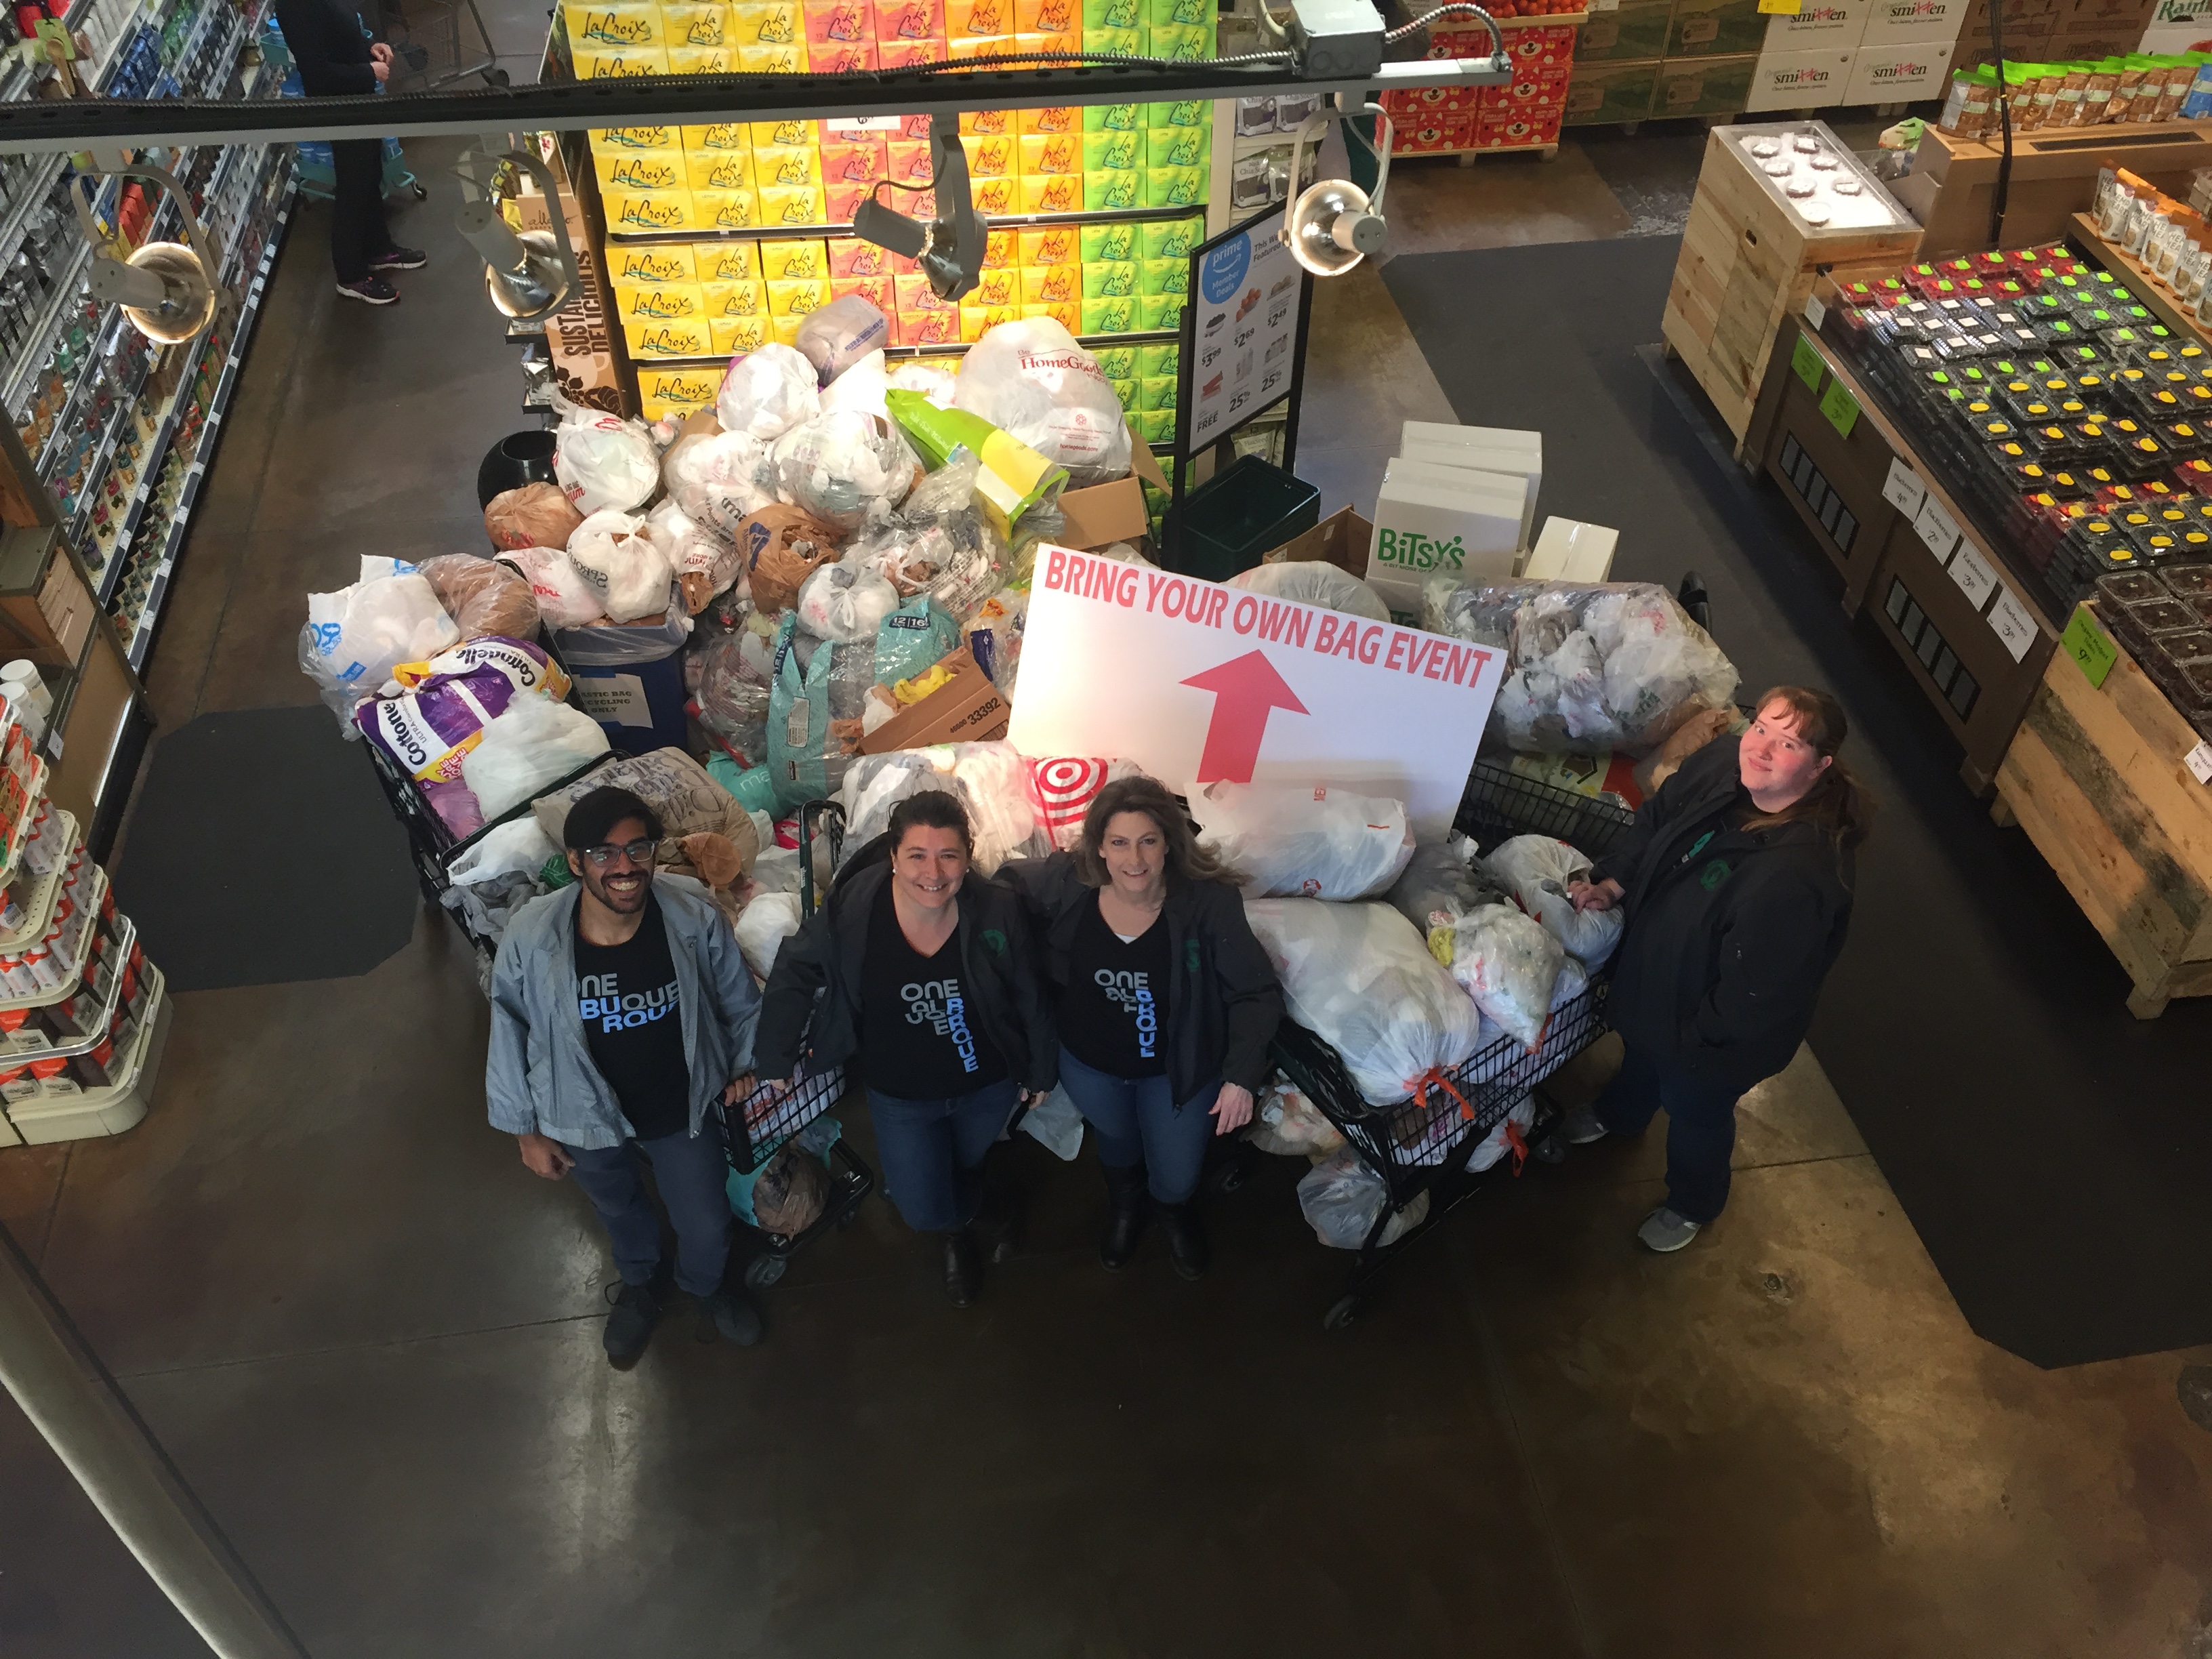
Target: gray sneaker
[
  {"x": 1665, "y": 1231},
  {"x": 1580, "y": 1126}
]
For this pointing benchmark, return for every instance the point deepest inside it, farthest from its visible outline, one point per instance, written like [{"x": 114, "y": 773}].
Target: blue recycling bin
[{"x": 631, "y": 679}]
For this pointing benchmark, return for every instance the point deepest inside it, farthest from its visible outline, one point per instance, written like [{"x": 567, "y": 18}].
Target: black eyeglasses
[{"x": 639, "y": 853}]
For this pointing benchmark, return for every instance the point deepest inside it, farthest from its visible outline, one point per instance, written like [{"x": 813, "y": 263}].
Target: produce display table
[{"x": 2098, "y": 777}]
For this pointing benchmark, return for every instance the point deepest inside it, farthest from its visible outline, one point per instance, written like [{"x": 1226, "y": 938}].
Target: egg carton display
[{"x": 1812, "y": 172}]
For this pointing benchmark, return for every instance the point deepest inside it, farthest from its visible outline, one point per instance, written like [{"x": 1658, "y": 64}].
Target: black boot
[
  {"x": 1125, "y": 1217},
  {"x": 629, "y": 1327},
  {"x": 963, "y": 1271},
  {"x": 1187, "y": 1250},
  {"x": 999, "y": 1221}
]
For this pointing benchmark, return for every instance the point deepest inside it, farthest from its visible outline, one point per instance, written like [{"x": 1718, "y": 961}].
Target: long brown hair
[
  {"x": 1186, "y": 860},
  {"x": 1837, "y": 802}
]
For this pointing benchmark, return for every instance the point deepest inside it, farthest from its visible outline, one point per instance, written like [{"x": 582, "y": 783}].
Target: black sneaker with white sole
[
  {"x": 400, "y": 259},
  {"x": 370, "y": 291}
]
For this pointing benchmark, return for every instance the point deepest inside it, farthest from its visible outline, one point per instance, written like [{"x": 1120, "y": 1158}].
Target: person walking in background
[
  {"x": 1165, "y": 1005},
  {"x": 1736, "y": 878},
  {"x": 621, "y": 1009},
  {"x": 337, "y": 59},
  {"x": 927, "y": 974}
]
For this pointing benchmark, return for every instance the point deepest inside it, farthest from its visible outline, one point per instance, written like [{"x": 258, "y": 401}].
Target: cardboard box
[
  {"x": 1514, "y": 461},
  {"x": 1903, "y": 74},
  {"x": 1637, "y": 28},
  {"x": 734, "y": 336},
  {"x": 1342, "y": 539},
  {"x": 966, "y": 709},
  {"x": 1468, "y": 530},
  {"x": 1715, "y": 28},
  {"x": 1829, "y": 25},
  {"x": 1607, "y": 92},
  {"x": 1800, "y": 79},
  {"x": 641, "y": 169},
  {"x": 1515, "y": 438},
  {"x": 650, "y": 262},
  {"x": 1889, "y": 22},
  {"x": 726, "y": 262},
  {"x": 660, "y": 303},
  {"x": 1113, "y": 512},
  {"x": 1713, "y": 86},
  {"x": 1569, "y": 550}
]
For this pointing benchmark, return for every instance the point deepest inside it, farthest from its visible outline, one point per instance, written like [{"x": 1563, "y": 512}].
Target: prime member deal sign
[{"x": 1198, "y": 683}]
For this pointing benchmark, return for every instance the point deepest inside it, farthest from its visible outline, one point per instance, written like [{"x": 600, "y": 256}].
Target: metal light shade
[
  {"x": 188, "y": 298},
  {"x": 529, "y": 274},
  {"x": 1331, "y": 226}
]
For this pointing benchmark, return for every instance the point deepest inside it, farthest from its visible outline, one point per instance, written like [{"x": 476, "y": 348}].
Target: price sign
[
  {"x": 2015, "y": 628},
  {"x": 1816, "y": 312},
  {"x": 2090, "y": 648},
  {"x": 1805, "y": 360},
  {"x": 1937, "y": 528},
  {"x": 1972, "y": 573},
  {"x": 1241, "y": 330},
  {"x": 1903, "y": 489},
  {"x": 2199, "y": 762},
  {"x": 1841, "y": 408}
]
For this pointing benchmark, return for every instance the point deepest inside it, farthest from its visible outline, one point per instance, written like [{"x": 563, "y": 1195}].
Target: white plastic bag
[
  {"x": 1441, "y": 883},
  {"x": 534, "y": 742},
  {"x": 1030, "y": 379},
  {"x": 1055, "y": 1121},
  {"x": 626, "y": 571},
  {"x": 1499, "y": 1141},
  {"x": 565, "y": 597},
  {"x": 1313, "y": 581},
  {"x": 720, "y": 477},
  {"x": 520, "y": 848},
  {"x": 835, "y": 337},
  {"x": 604, "y": 461},
  {"x": 1341, "y": 1199},
  {"x": 860, "y": 388},
  {"x": 356, "y": 637},
  {"x": 1536, "y": 869},
  {"x": 1286, "y": 1123},
  {"x": 994, "y": 779},
  {"x": 768, "y": 391},
  {"x": 933, "y": 380},
  {"x": 847, "y": 469},
  {"x": 845, "y": 603},
  {"x": 764, "y": 924},
  {"x": 1509, "y": 964},
  {"x": 705, "y": 562},
  {"x": 1315, "y": 843},
  {"x": 1360, "y": 978}
]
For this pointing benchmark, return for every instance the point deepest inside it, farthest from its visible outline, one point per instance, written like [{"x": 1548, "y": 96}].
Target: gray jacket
[{"x": 539, "y": 1078}]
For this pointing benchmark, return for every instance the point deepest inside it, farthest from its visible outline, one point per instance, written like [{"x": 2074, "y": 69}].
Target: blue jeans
[
  {"x": 1138, "y": 1122},
  {"x": 690, "y": 1171},
  {"x": 1700, "y": 1131},
  {"x": 933, "y": 1151}
]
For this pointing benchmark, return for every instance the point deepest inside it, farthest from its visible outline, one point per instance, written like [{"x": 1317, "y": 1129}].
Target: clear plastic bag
[
  {"x": 989, "y": 780},
  {"x": 705, "y": 561},
  {"x": 538, "y": 515},
  {"x": 520, "y": 848},
  {"x": 625, "y": 569},
  {"x": 994, "y": 636},
  {"x": 1313, "y": 581},
  {"x": 1057, "y": 1124},
  {"x": 768, "y": 391},
  {"x": 1342, "y": 1199},
  {"x": 720, "y": 477},
  {"x": 762, "y": 925},
  {"x": 1509, "y": 964},
  {"x": 933, "y": 380},
  {"x": 1287, "y": 1124},
  {"x": 482, "y": 595},
  {"x": 533, "y": 742},
  {"x": 604, "y": 462},
  {"x": 911, "y": 638},
  {"x": 845, "y": 602},
  {"x": 860, "y": 388},
  {"x": 356, "y": 637},
  {"x": 835, "y": 337},
  {"x": 1361, "y": 978},
  {"x": 1537, "y": 869},
  {"x": 846, "y": 469},
  {"x": 1030, "y": 379},
  {"x": 734, "y": 671},
  {"x": 1442, "y": 882},
  {"x": 1315, "y": 843},
  {"x": 1493, "y": 1147},
  {"x": 565, "y": 597}
]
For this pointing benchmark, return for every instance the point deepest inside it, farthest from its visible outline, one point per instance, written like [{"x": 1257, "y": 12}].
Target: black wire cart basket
[
  {"x": 1422, "y": 1144},
  {"x": 758, "y": 1126}
]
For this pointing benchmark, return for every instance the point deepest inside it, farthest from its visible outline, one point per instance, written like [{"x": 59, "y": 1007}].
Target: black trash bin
[{"x": 1248, "y": 508}]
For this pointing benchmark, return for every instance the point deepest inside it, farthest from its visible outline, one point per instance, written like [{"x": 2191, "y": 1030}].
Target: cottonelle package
[{"x": 1424, "y": 528}]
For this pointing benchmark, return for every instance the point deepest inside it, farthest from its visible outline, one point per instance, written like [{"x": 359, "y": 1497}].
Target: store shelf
[
  {"x": 36, "y": 1045},
  {"x": 2157, "y": 298},
  {"x": 40, "y": 910},
  {"x": 32, "y": 796},
  {"x": 47, "y": 171},
  {"x": 950, "y": 348},
  {"x": 142, "y": 630},
  {"x": 995, "y": 221},
  {"x": 1547, "y": 150},
  {"x": 45, "y": 1118}
]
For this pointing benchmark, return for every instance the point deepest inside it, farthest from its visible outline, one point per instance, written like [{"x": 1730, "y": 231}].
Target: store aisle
[{"x": 371, "y": 1339}]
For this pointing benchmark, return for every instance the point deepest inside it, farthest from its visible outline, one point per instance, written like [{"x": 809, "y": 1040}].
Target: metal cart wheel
[
  {"x": 1342, "y": 1314},
  {"x": 763, "y": 1271},
  {"x": 422, "y": 193},
  {"x": 494, "y": 77},
  {"x": 845, "y": 1221},
  {"x": 1551, "y": 1149}
]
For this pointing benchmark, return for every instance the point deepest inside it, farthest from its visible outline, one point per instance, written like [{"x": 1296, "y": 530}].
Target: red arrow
[{"x": 1245, "y": 688}]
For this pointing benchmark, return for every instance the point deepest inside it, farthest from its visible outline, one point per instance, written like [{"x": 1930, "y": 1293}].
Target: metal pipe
[{"x": 73, "y": 1401}]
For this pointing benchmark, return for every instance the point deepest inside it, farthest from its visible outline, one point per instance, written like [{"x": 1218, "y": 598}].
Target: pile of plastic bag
[
  {"x": 1616, "y": 666},
  {"x": 990, "y": 779},
  {"x": 1315, "y": 843}
]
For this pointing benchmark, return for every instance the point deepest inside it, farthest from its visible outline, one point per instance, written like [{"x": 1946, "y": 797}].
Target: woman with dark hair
[
  {"x": 1736, "y": 879},
  {"x": 1165, "y": 1004},
  {"x": 930, "y": 979}
]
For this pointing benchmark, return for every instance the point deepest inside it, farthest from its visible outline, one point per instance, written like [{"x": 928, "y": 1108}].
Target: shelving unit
[
  {"x": 38, "y": 903},
  {"x": 2156, "y": 297}
]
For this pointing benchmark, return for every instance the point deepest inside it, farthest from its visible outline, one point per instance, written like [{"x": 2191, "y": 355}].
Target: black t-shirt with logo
[
  {"x": 631, "y": 1007},
  {"x": 919, "y": 1038},
  {"x": 1113, "y": 1011}
]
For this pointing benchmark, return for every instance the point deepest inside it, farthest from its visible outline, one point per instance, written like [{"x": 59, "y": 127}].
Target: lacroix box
[
  {"x": 966, "y": 18},
  {"x": 1129, "y": 42},
  {"x": 717, "y": 169},
  {"x": 766, "y": 23},
  {"x": 648, "y": 209},
  {"x": 977, "y": 321},
  {"x": 618, "y": 63},
  {"x": 830, "y": 22},
  {"x": 1105, "y": 279},
  {"x": 1068, "y": 315},
  {"x": 996, "y": 288},
  {"x": 1174, "y": 186},
  {"x": 1113, "y": 118},
  {"x": 854, "y": 161},
  {"x": 1156, "y": 312},
  {"x": 794, "y": 164},
  {"x": 702, "y": 60},
  {"x": 1109, "y": 316},
  {"x": 616, "y": 27},
  {"x": 772, "y": 60},
  {"x": 840, "y": 203},
  {"x": 1108, "y": 242},
  {"x": 1175, "y": 146},
  {"x": 1056, "y": 245},
  {"x": 1116, "y": 362},
  {"x": 686, "y": 23},
  {"x": 987, "y": 123},
  {"x": 1052, "y": 285},
  {"x": 725, "y": 210},
  {"x": 852, "y": 256},
  {"x": 659, "y": 302},
  {"x": 876, "y": 290},
  {"x": 786, "y": 134},
  {"x": 1163, "y": 276},
  {"x": 906, "y": 54},
  {"x": 915, "y": 297},
  {"x": 686, "y": 389},
  {"x": 904, "y": 21},
  {"x": 725, "y": 262},
  {"x": 792, "y": 204},
  {"x": 1049, "y": 193},
  {"x": 794, "y": 259},
  {"x": 641, "y": 169},
  {"x": 796, "y": 299},
  {"x": 722, "y": 299},
  {"x": 926, "y": 328},
  {"x": 1179, "y": 112},
  {"x": 995, "y": 196},
  {"x": 993, "y": 156},
  {"x": 1114, "y": 151},
  {"x": 718, "y": 139},
  {"x": 731, "y": 335},
  {"x": 841, "y": 56},
  {"x": 1059, "y": 118},
  {"x": 659, "y": 262},
  {"x": 1122, "y": 188},
  {"x": 907, "y": 162},
  {"x": 1051, "y": 151},
  {"x": 1001, "y": 248},
  {"x": 785, "y": 330},
  {"x": 687, "y": 338},
  {"x": 604, "y": 139},
  {"x": 1170, "y": 239}
]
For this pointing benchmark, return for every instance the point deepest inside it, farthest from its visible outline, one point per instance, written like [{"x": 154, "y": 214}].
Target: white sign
[
  {"x": 1244, "y": 314},
  {"x": 1972, "y": 573},
  {"x": 1198, "y": 683},
  {"x": 2015, "y": 628},
  {"x": 1816, "y": 312},
  {"x": 2199, "y": 762},
  {"x": 1937, "y": 528},
  {"x": 613, "y": 699},
  {"x": 893, "y": 125},
  {"x": 1903, "y": 489}
]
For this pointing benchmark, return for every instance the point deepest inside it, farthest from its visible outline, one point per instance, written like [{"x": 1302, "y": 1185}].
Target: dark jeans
[
  {"x": 692, "y": 1175},
  {"x": 357, "y": 228},
  {"x": 1138, "y": 1122},
  {"x": 1700, "y": 1130},
  {"x": 933, "y": 1151}
]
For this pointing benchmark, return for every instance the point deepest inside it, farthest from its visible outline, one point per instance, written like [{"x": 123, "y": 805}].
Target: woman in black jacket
[
  {"x": 931, "y": 979},
  {"x": 1736, "y": 879},
  {"x": 1164, "y": 1001}
]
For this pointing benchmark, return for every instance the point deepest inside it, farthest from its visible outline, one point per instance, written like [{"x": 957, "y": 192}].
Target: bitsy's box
[{"x": 1468, "y": 530}]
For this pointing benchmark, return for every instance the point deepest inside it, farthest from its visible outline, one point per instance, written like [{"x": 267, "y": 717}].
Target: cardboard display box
[
  {"x": 1900, "y": 74},
  {"x": 1113, "y": 512},
  {"x": 1604, "y": 93},
  {"x": 1703, "y": 86},
  {"x": 1470, "y": 531},
  {"x": 1715, "y": 28},
  {"x": 1889, "y": 22},
  {"x": 969, "y": 709},
  {"x": 1801, "y": 80},
  {"x": 1819, "y": 26},
  {"x": 1342, "y": 539},
  {"x": 1569, "y": 551},
  {"x": 1636, "y": 28}
]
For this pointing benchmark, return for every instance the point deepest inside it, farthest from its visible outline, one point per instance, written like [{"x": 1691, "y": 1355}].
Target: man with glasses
[{"x": 620, "y": 1010}]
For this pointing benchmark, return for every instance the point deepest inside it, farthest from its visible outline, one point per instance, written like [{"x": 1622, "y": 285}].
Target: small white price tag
[
  {"x": 864, "y": 123},
  {"x": 1937, "y": 528},
  {"x": 2015, "y": 629},
  {"x": 2199, "y": 762},
  {"x": 1815, "y": 313},
  {"x": 1973, "y": 575},
  {"x": 1903, "y": 489}
]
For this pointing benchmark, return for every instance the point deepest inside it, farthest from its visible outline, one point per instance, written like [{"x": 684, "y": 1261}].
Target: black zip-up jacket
[
  {"x": 1223, "y": 1002},
  {"x": 1727, "y": 941},
  {"x": 817, "y": 977},
  {"x": 324, "y": 39}
]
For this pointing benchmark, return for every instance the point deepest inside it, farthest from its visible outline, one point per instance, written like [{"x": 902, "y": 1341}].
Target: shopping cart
[
  {"x": 1422, "y": 1144},
  {"x": 427, "y": 35}
]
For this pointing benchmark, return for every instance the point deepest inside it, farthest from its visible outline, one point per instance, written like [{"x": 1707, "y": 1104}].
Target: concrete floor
[{"x": 371, "y": 1339}]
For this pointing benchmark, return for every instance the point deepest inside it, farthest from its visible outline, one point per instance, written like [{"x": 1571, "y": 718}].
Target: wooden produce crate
[
  {"x": 1746, "y": 263},
  {"x": 2054, "y": 174},
  {"x": 2096, "y": 775}
]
